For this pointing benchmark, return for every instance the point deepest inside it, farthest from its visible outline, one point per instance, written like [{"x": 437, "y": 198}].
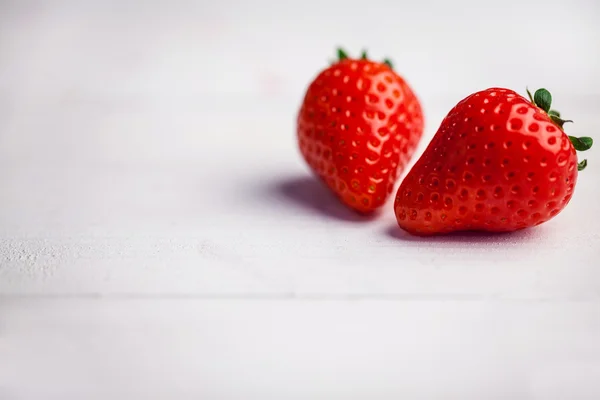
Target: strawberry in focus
[
  {"x": 357, "y": 127},
  {"x": 498, "y": 162}
]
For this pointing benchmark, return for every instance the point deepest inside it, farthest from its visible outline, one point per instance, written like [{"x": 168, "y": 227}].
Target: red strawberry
[
  {"x": 498, "y": 162},
  {"x": 358, "y": 125}
]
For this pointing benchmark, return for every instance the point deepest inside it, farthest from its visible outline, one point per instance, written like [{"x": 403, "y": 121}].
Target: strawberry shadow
[
  {"x": 311, "y": 195},
  {"x": 395, "y": 232}
]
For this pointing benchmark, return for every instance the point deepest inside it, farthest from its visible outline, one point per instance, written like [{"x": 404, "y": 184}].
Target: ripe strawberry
[
  {"x": 358, "y": 125},
  {"x": 498, "y": 162}
]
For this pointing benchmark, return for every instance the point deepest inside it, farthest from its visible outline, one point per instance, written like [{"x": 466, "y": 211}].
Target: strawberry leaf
[
  {"x": 342, "y": 55},
  {"x": 543, "y": 99},
  {"x": 554, "y": 113},
  {"x": 581, "y": 166},
  {"x": 388, "y": 62},
  {"x": 363, "y": 55},
  {"x": 583, "y": 143}
]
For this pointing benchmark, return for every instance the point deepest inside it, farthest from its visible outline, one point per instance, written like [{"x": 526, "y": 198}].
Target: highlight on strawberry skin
[
  {"x": 499, "y": 162},
  {"x": 358, "y": 125}
]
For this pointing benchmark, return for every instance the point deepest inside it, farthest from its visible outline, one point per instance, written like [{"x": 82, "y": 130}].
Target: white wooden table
[{"x": 161, "y": 238}]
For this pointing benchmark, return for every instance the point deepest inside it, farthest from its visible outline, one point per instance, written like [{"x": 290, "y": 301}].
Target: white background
[{"x": 161, "y": 238}]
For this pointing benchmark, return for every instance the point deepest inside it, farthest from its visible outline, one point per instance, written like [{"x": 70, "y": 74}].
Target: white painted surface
[{"x": 160, "y": 236}]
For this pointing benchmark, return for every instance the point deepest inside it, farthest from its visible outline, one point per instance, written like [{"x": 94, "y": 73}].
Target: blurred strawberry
[{"x": 357, "y": 128}]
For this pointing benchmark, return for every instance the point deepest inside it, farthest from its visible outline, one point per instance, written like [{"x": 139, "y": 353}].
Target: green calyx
[
  {"x": 343, "y": 55},
  {"x": 581, "y": 144},
  {"x": 543, "y": 99}
]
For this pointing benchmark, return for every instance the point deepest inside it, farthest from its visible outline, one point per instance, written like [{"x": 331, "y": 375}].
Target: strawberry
[
  {"x": 357, "y": 127},
  {"x": 498, "y": 162}
]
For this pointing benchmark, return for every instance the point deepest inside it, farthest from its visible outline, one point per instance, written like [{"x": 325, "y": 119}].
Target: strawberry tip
[{"x": 343, "y": 55}]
